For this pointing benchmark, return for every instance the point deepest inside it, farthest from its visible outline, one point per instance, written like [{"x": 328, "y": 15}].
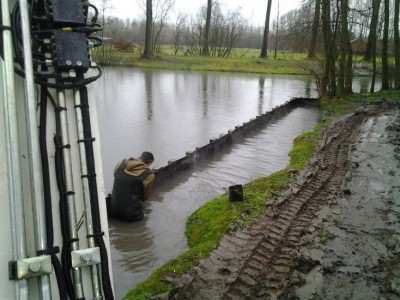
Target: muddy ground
[{"x": 334, "y": 234}]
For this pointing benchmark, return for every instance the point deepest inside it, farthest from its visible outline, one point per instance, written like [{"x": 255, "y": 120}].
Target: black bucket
[{"x": 236, "y": 193}]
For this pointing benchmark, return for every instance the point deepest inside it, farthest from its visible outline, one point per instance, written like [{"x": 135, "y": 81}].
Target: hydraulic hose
[
  {"x": 91, "y": 169},
  {"x": 66, "y": 249},
  {"x": 51, "y": 250},
  {"x": 96, "y": 283},
  {"x": 69, "y": 194}
]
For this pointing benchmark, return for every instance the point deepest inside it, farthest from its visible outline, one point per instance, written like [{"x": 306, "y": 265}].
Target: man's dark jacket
[{"x": 133, "y": 181}]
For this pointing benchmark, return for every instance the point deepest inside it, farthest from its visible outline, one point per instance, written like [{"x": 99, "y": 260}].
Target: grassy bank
[
  {"x": 285, "y": 65},
  {"x": 240, "y": 60},
  {"x": 208, "y": 224},
  {"x": 243, "y": 60}
]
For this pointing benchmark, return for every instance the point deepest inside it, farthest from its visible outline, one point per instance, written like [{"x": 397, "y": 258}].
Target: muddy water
[{"x": 170, "y": 113}]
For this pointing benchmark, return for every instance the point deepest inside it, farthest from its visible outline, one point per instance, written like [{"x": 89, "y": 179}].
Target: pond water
[{"x": 171, "y": 112}]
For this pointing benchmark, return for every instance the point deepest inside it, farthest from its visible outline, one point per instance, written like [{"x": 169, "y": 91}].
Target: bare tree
[
  {"x": 372, "y": 30},
  {"x": 396, "y": 44},
  {"x": 328, "y": 81},
  {"x": 264, "y": 48},
  {"x": 344, "y": 77},
  {"x": 226, "y": 30},
  {"x": 276, "y": 32},
  {"x": 314, "y": 31},
  {"x": 161, "y": 11},
  {"x": 385, "y": 41},
  {"x": 179, "y": 26},
  {"x": 148, "y": 48},
  {"x": 206, "y": 51}
]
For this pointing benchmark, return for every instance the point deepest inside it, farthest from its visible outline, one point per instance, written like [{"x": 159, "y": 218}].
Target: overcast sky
[{"x": 253, "y": 10}]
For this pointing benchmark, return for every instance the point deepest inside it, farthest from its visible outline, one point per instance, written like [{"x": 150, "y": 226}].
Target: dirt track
[{"x": 334, "y": 234}]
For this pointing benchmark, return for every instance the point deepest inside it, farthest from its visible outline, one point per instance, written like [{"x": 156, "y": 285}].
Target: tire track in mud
[
  {"x": 285, "y": 228},
  {"x": 258, "y": 263}
]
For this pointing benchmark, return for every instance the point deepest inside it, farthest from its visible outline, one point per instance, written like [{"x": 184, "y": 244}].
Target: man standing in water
[{"x": 133, "y": 182}]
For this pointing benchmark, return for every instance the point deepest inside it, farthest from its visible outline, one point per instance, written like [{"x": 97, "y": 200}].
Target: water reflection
[
  {"x": 205, "y": 94},
  {"x": 309, "y": 89},
  {"x": 132, "y": 249},
  {"x": 365, "y": 85},
  {"x": 133, "y": 255},
  {"x": 148, "y": 83},
  {"x": 261, "y": 83}
]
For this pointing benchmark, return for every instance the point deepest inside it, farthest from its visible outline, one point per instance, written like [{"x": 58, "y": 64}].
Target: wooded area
[{"x": 329, "y": 31}]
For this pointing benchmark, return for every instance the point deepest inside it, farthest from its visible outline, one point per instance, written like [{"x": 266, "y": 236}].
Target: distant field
[{"x": 240, "y": 60}]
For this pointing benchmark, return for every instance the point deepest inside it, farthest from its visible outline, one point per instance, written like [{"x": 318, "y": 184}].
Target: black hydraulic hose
[
  {"x": 45, "y": 168},
  {"x": 51, "y": 250},
  {"x": 75, "y": 84},
  {"x": 66, "y": 249},
  {"x": 96, "y": 13},
  {"x": 40, "y": 7},
  {"x": 94, "y": 198}
]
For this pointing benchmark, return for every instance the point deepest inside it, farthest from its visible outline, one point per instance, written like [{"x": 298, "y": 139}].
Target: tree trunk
[
  {"x": 206, "y": 51},
  {"x": 373, "y": 79},
  {"x": 348, "y": 80},
  {"x": 328, "y": 81},
  {"x": 372, "y": 30},
  {"x": 345, "y": 71},
  {"x": 276, "y": 32},
  {"x": 385, "y": 41},
  {"x": 148, "y": 47},
  {"x": 396, "y": 44},
  {"x": 264, "y": 48},
  {"x": 314, "y": 33},
  {"x": 156, "y": 37}
]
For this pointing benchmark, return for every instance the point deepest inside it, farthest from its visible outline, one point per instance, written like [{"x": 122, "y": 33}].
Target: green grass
[
  {"x": 241, "y": 60},
  {"x": 387, "y": 96},
  {"x": 325, "y": 236},
  {"x": 336, "y": 107},
  {"x": 244, "y": 65}
]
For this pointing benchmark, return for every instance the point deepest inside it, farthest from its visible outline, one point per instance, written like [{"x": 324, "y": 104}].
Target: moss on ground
[{"x": 325, "y": 236}]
